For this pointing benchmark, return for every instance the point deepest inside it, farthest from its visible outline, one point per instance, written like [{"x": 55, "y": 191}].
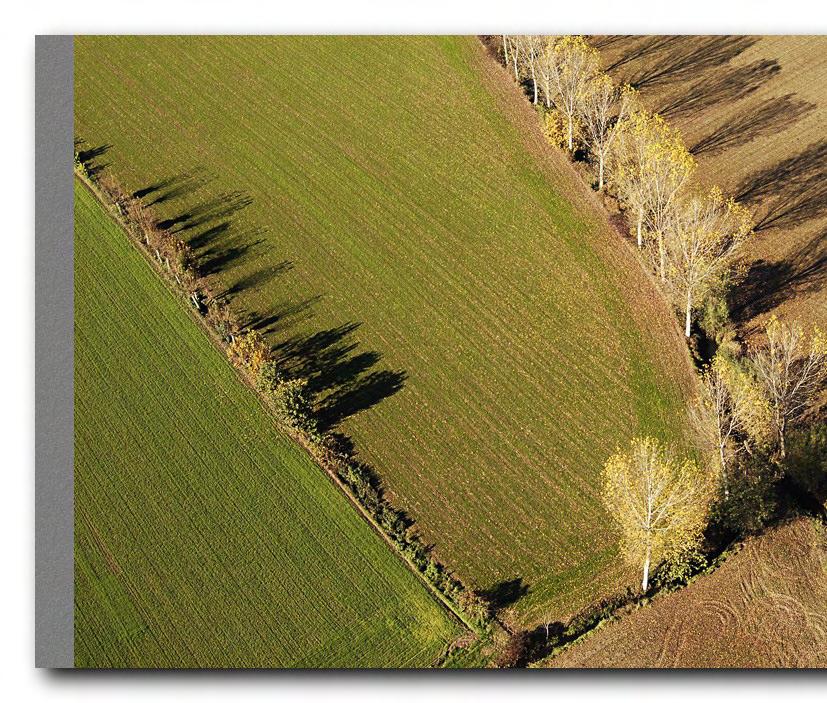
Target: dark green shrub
[
  {"x": 752, "y": 502},
  {"x": 476, "y": 607}
]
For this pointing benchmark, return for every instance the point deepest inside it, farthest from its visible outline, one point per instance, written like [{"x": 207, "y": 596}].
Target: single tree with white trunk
[
  {"x": 571, "y": 63},
  {"x": 512, "y": 53},
  {"x": 791, "y": 367},
  {"x": 703, "y": 234},
  {"x": 532, "y": 49},
  {"x": 659, "y": 503},
  {"x": 602, "y": 108},
  {"x": 545, "y": 65}
]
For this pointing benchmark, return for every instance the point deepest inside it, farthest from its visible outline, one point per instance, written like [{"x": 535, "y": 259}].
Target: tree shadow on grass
[
  {"x": 210, "y": 228},
  {"x": 172, "y": 187},
  {"x": 220, "y": 208},
  {"x": 505, "y": 593},
  {"x": 342, "y": 380},
  {"x": 90, "y": 157}
]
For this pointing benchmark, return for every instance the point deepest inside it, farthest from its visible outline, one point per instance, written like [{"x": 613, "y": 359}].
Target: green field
[
  {"x": 203, "y": 537},
  {"x": 386, "y": 212}
]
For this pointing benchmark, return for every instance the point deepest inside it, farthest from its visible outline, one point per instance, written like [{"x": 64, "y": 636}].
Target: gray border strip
[{"x": 54, "y": 358}]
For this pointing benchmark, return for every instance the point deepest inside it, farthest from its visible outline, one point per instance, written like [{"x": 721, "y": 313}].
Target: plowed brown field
[
  {"x": 765, "y": 607},
  {"x": 753, "y": 111}
]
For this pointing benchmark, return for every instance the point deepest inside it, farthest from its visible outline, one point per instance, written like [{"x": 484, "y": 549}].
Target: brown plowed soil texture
[
  {"x": 753, "y": 111},
  {"x": 765, "y": 607}
]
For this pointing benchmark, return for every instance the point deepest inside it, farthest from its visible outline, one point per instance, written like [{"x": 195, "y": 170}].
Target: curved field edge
[
  {"x": 204, "y": 537},
  {"x": 407, "y": 219},
  {"x": 765, "y": 607}
]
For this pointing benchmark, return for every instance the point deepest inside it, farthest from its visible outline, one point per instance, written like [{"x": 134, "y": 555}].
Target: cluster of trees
[
  {"x": 286, "y": 395},
  {"x": 749, "y": 402},
  {"x": 691, "y": 236}
]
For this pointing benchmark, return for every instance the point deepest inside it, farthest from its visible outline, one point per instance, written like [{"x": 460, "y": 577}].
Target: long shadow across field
[
  {"x": 342, "y": 379},
  {"x": 770, "y": 283},
  {"x": 772, "y": 115},
  {"x": 787, "y": 195},
  {"x": 676, "y": 58},
  {"x": 698, "y": 77}
]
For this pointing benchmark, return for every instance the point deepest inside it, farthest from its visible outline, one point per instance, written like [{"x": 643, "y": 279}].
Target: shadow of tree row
[
  {"x": 784, "y": 196},
  {"x": 771, "y": 116},
  {"x": 674, "y": 58},
  {"x": 343, "y": 380},
  {"x": 724, "y": 85}
]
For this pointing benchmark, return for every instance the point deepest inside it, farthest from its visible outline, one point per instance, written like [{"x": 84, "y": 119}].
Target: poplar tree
[
  {"x": 532, "y": 49},
  {"x": 571, "y": 63},
  {"x": 602, "y": 107},
  {"x": 792, "y": 371},
  {"x": 652, "y": 166},
  {"x": 660, "y": 504},
  {"x": 702, "y": 235},
  {"x": 730, "y": 411},
  {"x": 545, "y": 65}
]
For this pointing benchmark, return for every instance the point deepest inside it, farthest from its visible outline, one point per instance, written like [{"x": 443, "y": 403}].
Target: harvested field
[
  {"x": 765, "y": 607},
  {"x": 203, "y": 536},
  {"x": 386, "y": 211},
  {"x": 753, "y": 111}
]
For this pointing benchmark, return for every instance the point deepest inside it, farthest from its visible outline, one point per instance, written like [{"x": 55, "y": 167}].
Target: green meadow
[
  {"x": 203, "y": 536},
  {"x": 386, "y": 213}
]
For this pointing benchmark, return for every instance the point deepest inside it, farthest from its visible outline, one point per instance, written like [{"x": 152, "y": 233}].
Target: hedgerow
[{"x": 286, "y": 396}]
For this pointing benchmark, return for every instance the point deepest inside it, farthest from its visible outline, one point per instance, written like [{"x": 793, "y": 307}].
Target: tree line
[
  {"x": 689, "y": 235},
  {"x": 285, "y": 395},
  {"x": 690, "y": 238}
]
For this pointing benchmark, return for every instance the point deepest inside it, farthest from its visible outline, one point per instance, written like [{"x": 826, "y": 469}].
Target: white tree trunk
[
  {"x": 688, "y": 313},
  {"x": 640, "y": 229},
  {"x": 571, "y": 134},
  {"x": 516, "y": 73},
  {"x": 505, "y": 48},
  {"x": 600, "y": 172},
  {"x": 644, "y": 586},
  {"x": 723, "y": 471},
  {"x": 662, "y": 251},
  {"x": 534, "y": 81}
]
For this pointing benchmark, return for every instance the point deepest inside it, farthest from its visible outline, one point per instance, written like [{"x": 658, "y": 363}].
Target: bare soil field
[
  {"x": 765, "y": 607},
  {"x": 753, "y": 111}
]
